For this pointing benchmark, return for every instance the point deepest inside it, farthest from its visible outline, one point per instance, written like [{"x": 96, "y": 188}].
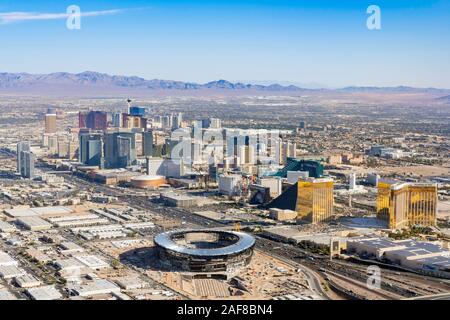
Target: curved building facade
[
  {"x": 204, "y": 250},
  {"x": 145, "y": 182}
]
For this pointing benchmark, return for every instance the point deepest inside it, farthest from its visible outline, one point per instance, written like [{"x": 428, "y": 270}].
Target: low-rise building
[
  {"x": 27, "y": 281},
  {"x": 424, "y": 257},
  {"x": 130, "y": 283},
  {"x": 44, "y": 293},
  {"x": 282, "y": 215},
  {"x": 69, "y": 265},
  {"x": 34, "y": 223},
  {"x": 92, "y": 262},
  {"x": 9, "y": 272},
  {"x": 6, "y": 227},
  {"x": 6, "y": 260},
  {"x": 5, "y": 295},
  {"x": 39, "y": 211},
  {"x": 178, "y": 200},
  {"x": 95, "y": 287},
  {"x": 68, "y": 247},
  {"x": 38, "y": 255}
]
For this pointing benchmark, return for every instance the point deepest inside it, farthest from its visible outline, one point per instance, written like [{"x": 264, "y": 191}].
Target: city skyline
[
  {"x": 160, "y": 188},
  {"x": 253, "y": 153},
  {"x": 324, "y": 43}
]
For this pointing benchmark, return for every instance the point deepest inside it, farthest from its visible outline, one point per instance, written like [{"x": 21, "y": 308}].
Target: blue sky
[{"x": 314, "y": 41}]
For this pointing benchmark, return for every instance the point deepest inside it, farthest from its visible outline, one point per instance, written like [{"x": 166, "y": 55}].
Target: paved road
[
  {"x": 313, "y": 279},
  {"x": 442, "y": 296}
]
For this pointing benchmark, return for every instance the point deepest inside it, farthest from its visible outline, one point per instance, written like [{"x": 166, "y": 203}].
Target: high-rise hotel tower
[
  {"x": 315, "y": 200},
  {"x": 406, "y": 204}
]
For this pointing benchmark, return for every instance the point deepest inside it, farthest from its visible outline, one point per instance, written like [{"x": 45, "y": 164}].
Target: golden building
[
  {"x": 315, "y": 200},
  {"x": 406, "y": 204},
  {"x": 50, "y": 123}
]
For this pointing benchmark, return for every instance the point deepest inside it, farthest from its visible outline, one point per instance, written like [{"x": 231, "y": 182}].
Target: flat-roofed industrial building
[
  {"x": 6, "y": 227},
  {"x": 95, "y": 287},
  {"x": 44, "y": 293},
  {"x": 178, "y": 200},
  {"x": 424, "y": 257},
  {"x": 7, "y": 260},
  {"x": 27, "y": 281},
  {"x": 34, "y": 223},
  {"x": 40, "y": 211}
]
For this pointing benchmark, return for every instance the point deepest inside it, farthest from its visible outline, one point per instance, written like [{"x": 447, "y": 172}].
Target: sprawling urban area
[{"x": 240, "y": 197}]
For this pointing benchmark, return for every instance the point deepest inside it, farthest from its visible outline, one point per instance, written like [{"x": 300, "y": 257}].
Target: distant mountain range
[
  {"x": 445, "y": 98},
  {"x": 398, "y": 89},
  {"x": 96, "y": 79},
  {"x": 95, "y": 83}
]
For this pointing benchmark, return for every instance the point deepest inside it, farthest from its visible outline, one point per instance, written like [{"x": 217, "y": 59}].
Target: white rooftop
[
  {"x": 380, "y": 243},
  {"x": 130, "y": 282},
  {"x": 426, "y": 253},
  {"x": 70, "y": 263},
  {"x": 44, "y": 293},
  {"x": 95, "y": 287},
  {"x": 28, "y": 212},
  {"x": 7, "y": 260},
  {"x": 92, "y": 261},
  {"x": 27, "y": 280},
  {"x": 8, "y": 272},
  {"x": 6, "y": 227},
  {"x": 34, "y": 222},
  {"x": 6, "y": 295}
]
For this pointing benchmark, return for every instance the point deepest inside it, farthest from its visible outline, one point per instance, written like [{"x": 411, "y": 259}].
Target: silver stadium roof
[{"x": 244, "y": 242}]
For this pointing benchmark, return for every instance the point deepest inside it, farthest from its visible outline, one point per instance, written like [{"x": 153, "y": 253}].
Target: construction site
[{"x": 265, "y": 278}]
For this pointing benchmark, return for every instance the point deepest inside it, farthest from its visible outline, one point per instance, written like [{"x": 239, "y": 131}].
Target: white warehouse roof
[
  {"x": 28, "y": 212},
  {"x": 7, "y": 260}
]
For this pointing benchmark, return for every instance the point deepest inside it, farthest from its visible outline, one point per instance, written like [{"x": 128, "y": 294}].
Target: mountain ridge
[
  {"x": 104, "y": 81},
  {"x": 16, "y": 80}
]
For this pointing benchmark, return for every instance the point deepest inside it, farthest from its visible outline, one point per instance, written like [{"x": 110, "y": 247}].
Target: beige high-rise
[{"x": 50, "y": 123}]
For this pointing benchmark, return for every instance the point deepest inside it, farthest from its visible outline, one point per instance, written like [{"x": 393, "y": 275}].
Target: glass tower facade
[
  {"x": 315, "y": 200},
  {"x": 120, "y": 149},
  {"x": 406, "y": 204},
  {"x": 90, "y": 149}
]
